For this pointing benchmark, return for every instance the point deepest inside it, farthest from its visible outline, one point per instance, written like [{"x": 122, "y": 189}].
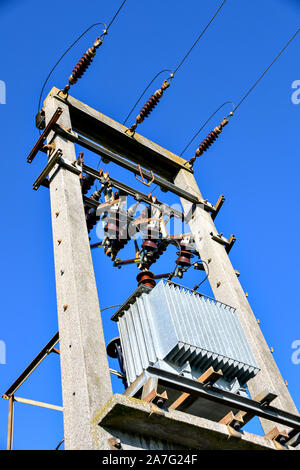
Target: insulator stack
[
  {"x": 91, "y": 219},
  {"x": 150, "y": 105},
  {"x": 160, "y": 250},
  {"x": 146, "y": 278},
  {"x": 96, "y": 195},
  {"x": 210, "y": 139},
  {"x": 184, "y": 258},
  {"x": 83, "y": 64},
  {"x": 86, "y": 183},
  {"x": 119, "y": 244}
]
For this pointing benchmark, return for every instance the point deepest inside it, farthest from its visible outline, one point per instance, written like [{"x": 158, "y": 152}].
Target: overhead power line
[
  {"x": 199, "y": 37},
  {"x": 215, "y": 133},
  {"x": 106, "y": 28},
  {"x": 267, "y": 69}
]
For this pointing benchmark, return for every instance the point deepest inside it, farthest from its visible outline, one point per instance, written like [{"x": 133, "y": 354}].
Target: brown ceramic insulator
[
  {"x": 150, "y": 105},
  {"x": 160, "y": 250},
  {"x": 86, "y": 183},
  {"x": 207, "y": 143},
  {"x": 149, "y": 245},
  {"x": 210, "y": 139},
  {"x": 82, "y": 65},
  {"x": 96, "y": 195},
  {"x": 184, "y": 258},
  {"x": 146, "y": 278}
]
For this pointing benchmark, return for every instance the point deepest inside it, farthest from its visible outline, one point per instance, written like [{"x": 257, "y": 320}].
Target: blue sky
[{"x": 255, "y": 162}]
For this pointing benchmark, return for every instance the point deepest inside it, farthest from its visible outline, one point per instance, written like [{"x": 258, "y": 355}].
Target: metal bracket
[
  {"x": 39, "y": 144},
  {"x": 234, "y": 422},
  {"x": 218, "y": 206},
  {"x": 56, "y": 159},
  {"x": 279, "y": 438},
  {"x": 228, "y": 243},
  {"x": 158, "y": 399},
  {"x": 50, "y": 165}
]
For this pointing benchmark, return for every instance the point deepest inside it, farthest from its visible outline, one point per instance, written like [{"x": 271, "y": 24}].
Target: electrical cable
[
  {"x": 173, "y": 273},
  {"x": 154, "y": 99},
  {"x": 147, "y": 87},
  {"x": 267, "y": 69},
  {"x": 199, "y": 37},
  {"x": 211, "y": 137},
  {"x": 206, "y": 122},
  {"x": 111, "y": 306},
  {"x": 63, "y": 55},
  {"x": 115, "y": 15},
  {"x": 73, "y": 44},
  {"x": 206, "y": 277},
  {"x": 60, "y": 443}
]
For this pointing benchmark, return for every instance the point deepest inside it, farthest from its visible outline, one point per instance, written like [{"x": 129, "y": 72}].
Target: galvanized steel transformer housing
[{"x": 181, "y": 331}]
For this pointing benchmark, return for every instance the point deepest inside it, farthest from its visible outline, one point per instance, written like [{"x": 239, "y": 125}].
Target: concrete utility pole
[
  {"x": 144, "y": 417},
  {"x": 86, "y": 381},
  {"x": 230, "y": 292}
]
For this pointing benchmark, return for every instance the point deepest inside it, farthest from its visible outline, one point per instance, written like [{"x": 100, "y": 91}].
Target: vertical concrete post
[
  {"x": 86, "y": 384},
  {"x": 227, "y": 288}
]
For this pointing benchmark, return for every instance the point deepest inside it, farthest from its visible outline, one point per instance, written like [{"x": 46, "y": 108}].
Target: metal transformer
[{"x": 174, "y": 329}]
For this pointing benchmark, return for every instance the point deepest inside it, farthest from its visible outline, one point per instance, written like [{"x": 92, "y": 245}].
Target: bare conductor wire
[{"x": 214, "y": 134}]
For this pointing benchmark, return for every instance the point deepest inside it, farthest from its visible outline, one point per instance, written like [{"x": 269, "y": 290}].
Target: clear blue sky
[{"x": 255, "y": 163}]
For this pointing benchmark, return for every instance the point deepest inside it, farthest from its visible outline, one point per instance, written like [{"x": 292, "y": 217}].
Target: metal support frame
[
  {"x": 108, "y": 155},
  {"x": 32, "y": 366},
  {"x": 10, "y": 393},
  {"x": 197, "y": 389},
  {"x": 134, "y": 193},
  {"x": 39, "y": 144}
]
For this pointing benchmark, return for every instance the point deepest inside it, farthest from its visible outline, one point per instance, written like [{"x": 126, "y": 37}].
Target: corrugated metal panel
[{"x": 175, "y": 325}]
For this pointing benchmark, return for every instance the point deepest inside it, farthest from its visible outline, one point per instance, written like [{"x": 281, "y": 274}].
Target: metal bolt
[
  {"x": 65, "y": 307},
  {"x": 57, "y": 214},
  {"x": 218, "y": 283},
  {"x": 118, "y": 443},
  {"x": 59, "y": 242},
  {"x": 236, "y": 426},
  {"x": 160, "y": 402},
  {"x": 281, "y": 440}
]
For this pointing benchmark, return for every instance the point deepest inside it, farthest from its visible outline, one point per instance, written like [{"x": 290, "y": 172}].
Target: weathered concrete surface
[
  {"x": 231, "y": 293},
  {"x": 86, "y": 381},
  {"x": 140, "y": 425}
]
